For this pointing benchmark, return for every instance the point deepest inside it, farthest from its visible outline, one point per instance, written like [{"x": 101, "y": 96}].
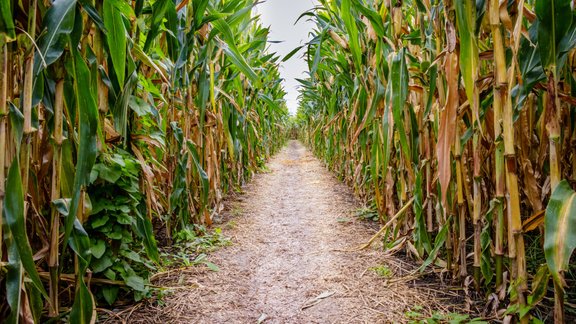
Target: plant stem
[
  {"x": 55, "y": 216},
  {"x": 3, "y": 120},
  {"x": 28, "y": 89}
]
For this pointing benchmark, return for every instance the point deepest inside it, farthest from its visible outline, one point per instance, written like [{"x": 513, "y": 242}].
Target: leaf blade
[{"x": 116, "y": 38}]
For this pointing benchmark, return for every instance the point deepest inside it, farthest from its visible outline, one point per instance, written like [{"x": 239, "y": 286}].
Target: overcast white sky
[{"x": 280, "y": 16}]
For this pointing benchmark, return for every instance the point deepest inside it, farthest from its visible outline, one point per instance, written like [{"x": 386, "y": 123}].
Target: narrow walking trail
[{"x": 282, "y": 267}]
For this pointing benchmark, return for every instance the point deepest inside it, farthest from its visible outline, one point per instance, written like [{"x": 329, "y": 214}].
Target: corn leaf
[
  {"x": 6, "y": 21},
  {"x": 87, "y": 124},
  {"x": 18, "y": 246},
  {"x": 158, "y": 12},
  {"x": 466, "y": 21},
  {"x": 204, "y": 180},
  {"x": 145, "y": 230},
  {"x": 352, "y": 29},
  {"x": 399, "y": 87},
  {"x": 232, "y": 51},
  {"x": 14, "y": 215},
  {"x": 555, "y": 18},
  {"x": 560, "y": 230},
  {"x": 116, "y": 37},
  {"x": 13, "y": 279},
  {"x": 199, "y": 10},
  {"x": 372, "y": 16},
  {"x": 83, "y": 309},
  {"x": 93, "y": 14},
  {"x": 292, "y": 53},
  {"x": 59, "y": 23}
]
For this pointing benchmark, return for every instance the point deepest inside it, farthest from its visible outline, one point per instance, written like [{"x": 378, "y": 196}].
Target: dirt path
[{"x": 282, "y": 258}]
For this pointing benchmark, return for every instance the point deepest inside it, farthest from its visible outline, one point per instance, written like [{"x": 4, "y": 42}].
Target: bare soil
[{"x": 283, "y": 265}]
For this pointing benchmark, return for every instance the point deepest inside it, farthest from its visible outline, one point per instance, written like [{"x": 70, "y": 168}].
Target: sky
[{"x": 280, "y": 16}]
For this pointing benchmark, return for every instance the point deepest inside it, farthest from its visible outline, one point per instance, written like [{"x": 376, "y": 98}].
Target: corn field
[
  {"x": 457, "y": 118},
  {"x": 122, "y": 121}
]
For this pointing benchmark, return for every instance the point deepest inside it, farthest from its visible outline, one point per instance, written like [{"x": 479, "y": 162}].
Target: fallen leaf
[
  {"x": 262, "y": 318},
  {"x": 318, "y": 299}
]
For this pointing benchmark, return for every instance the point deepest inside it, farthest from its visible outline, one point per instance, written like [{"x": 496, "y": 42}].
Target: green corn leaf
[
  {"x": 83, "y": 309},
  {"x": 87, "y": 111},
  {"x": 438, "y": 244},
  {"x": 204, "y": 181},
  {"x": 466, "y": 21},
  {"x": 116, "y": 37},
  {"x": 539, "y": 285},
  {"x": 171, "y": 23},
  {"x": 560, "y": 230},
  {"x": 158, "y": 12},
  {"x": 6, "y": 21},
  {"x": 145, "y": 230},
  {"x": 14, "y": 215},
  {"x": 314, "y": 66},
  {"x": 386, "y": 142},
  {"x": 375, "y": 154},
  {"x": 59, "y": 23},
  {"x": 88, "y": 122},
  {"x": 17, "y": 122},
  {"x": 121, "y": 107},
  {"x": 199, "y": 11},
  {"x": 93, "y": 14},
  {"x": 421, "y": 236},
  {"x": 232, "y": 51},
  {"x": 80, "y": 243},
  {"x": 372, "y": 16},
  {"x": 292, "y": 53},
  {"x": 433, "y": 72},
  {"x": 242, "y": 14},
  {"x": 124, "y": 6},
  {"x": 353, "y": 36},
  {"x": 13, "y": 278},
  {"x": 555, "y": 18},
  {"x": 486, "y": 242},
  {"x": 399, "y": 87}
]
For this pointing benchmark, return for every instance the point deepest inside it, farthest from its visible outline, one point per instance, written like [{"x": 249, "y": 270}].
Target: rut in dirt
[{"x": 282, "y": 267}]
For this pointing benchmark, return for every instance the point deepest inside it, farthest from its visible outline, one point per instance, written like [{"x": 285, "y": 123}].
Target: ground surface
[{"x": 282, "y": 266}]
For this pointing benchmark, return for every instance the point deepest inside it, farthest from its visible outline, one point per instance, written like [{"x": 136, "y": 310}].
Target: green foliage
[
  {"x": 59, "y": 23},
  {"x": 192, "y": 244},
  {"x": 123, "y": 247},
  {"x": 466, "y": 21},
  {"x": 416, "y": 316},
  {"x": 116, "y": 36},
  {"x": 13, "y": 213},
  {"x": 7, "y": 29},
  {"x": 383, "y": 271},
  {"x": 555, "y": 18},
  {"x": 560, "y": 233},
  {"x": 367, "y": 214}
]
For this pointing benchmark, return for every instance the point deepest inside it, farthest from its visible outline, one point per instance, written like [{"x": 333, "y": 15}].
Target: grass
[
  {"x": 236, "y": 211},
  {"x": 416, "y": 316},
  {"x": 343, "y": 220},
  {"x": 230, "y": 225},
  {"x": 366, "y": 213},
  {"x": 383, "y": 271}
]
